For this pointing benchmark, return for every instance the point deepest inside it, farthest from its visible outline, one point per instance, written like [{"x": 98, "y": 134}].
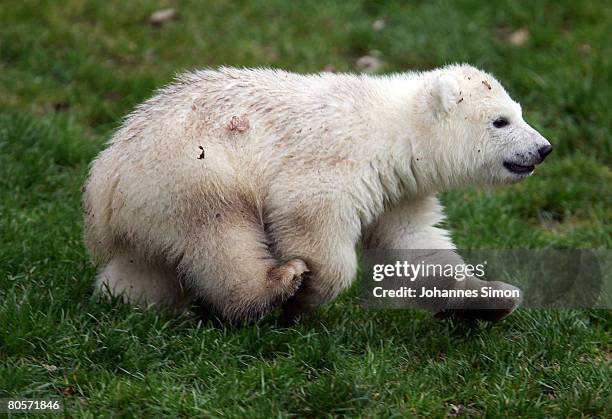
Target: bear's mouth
[{"x": 518, "y": 169}]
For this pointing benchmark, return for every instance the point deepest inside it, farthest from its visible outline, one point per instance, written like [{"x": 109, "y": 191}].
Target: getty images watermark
[{"x": 577, "y": 278}]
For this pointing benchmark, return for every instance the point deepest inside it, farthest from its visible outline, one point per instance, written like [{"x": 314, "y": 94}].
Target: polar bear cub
[{"x": 251, "y": 189}]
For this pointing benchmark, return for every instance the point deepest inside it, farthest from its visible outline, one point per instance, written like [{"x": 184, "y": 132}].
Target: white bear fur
[{"x": 297, "y": 171}]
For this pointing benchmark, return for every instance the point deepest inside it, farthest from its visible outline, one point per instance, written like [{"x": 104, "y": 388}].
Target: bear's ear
[{"x": 444, "y": 93}]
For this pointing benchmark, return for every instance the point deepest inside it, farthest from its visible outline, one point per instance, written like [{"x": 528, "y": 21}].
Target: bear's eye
[{"x": 501, "y": 122}]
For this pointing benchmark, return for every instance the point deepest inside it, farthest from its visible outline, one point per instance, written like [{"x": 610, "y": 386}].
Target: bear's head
[{"x": 478, "y": 131}]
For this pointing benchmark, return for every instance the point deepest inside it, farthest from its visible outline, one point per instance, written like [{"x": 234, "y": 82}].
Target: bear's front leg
[
  {"x": 314, "y": 231},
  {"x": 333, "y": 269},
  {"x": 227, "y": 263},
  {"x": 412, "y": 225}
]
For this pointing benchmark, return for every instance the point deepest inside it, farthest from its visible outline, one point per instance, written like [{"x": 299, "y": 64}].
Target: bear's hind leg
[
  {"x": 141, "y": 282},
  {"x": 230, "y": 266}
]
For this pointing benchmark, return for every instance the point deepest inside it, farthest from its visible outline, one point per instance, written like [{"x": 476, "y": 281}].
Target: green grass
[{"x": 70, "y": 70}]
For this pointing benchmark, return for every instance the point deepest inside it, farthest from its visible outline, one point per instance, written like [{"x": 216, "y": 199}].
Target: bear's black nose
[{"x": 544, "y": 151}]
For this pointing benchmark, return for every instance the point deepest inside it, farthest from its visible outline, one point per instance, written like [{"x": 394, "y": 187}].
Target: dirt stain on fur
[{"x": 238, "y": 124}]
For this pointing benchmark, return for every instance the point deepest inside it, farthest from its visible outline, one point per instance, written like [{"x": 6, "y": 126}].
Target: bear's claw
[{"x": 289, "y": 276}]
